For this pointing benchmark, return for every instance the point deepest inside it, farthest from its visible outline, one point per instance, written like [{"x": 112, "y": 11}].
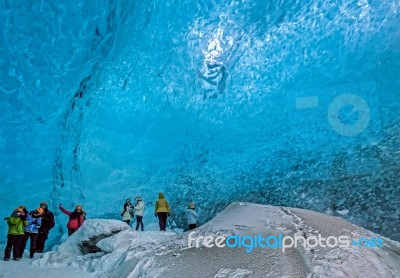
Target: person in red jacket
[{"x": 76, "y": 218}]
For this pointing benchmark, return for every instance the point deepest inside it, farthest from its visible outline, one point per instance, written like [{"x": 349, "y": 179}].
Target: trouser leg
[
  {"x": 9, "y": 246},
  {"x": 17, "y": 245},
  {"x": 32, "y": 249},
  {"x": 24, "y": 240},
  {"x": 41, "y": 240},
  {"x": 165, "y": 220},
  {"x": 139, "y": 222},
  {"x": 162, "y": 220}
]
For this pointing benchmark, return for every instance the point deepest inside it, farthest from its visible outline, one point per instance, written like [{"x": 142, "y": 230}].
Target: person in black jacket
[{"x": 47, "y": 224}]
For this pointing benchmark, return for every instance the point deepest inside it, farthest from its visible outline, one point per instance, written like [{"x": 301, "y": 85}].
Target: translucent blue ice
[{"x": 291, "y": 103}]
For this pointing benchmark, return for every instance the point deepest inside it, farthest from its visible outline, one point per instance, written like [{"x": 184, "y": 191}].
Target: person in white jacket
[
  {"x": 127, "y": 212},
  {"x": 192, "y": 216},
  {"x": 139, "y": 209}
]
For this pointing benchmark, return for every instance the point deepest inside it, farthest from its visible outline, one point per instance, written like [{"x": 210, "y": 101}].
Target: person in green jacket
[
  {"x": 16, "y": 224},
  {"x": 162, "y": 211}
]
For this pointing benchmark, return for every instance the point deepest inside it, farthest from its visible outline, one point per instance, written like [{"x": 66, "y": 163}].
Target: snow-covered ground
[{"x": 127, "y": 253}]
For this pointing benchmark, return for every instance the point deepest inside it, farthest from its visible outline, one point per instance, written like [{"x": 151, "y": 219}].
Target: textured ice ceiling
[{"x": 285, "y": 102}]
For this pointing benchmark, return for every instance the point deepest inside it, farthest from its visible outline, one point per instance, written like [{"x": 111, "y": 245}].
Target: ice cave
[{"x": 285, "y": 103}]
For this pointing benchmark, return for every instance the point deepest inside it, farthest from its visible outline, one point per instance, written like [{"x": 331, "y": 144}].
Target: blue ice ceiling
[{"x": 289, "y": 103}]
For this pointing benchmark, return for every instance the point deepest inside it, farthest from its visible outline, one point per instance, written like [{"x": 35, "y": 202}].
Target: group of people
[
  {"x": 162, "y": 211},
  {"x": 23, "y": 225},
  {"x": 129, "y": 211},
  {"x": 36, "y": 224}
]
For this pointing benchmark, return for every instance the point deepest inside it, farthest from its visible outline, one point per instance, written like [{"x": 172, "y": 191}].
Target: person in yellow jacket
[
  {"x": 162, "y": 211},
  {"x": 16, "y": 224}
]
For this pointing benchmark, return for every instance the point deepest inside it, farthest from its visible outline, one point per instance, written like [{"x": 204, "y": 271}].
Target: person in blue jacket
[
  {"x": 192, "y": 216},
  {"x": 31, "y": 231}
]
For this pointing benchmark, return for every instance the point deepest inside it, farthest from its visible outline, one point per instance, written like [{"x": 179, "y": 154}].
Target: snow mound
[
  {"x": 127, "y": 253},
  {"x": 70, "y": 252}
]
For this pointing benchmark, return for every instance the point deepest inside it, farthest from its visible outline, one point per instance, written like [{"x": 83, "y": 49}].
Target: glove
[
  {"x": 60, "y": 206},
  {"x": 155, "y": 214}
]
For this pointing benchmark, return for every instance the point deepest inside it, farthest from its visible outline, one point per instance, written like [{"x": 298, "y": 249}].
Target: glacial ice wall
[{"x": 276, "y": 102}]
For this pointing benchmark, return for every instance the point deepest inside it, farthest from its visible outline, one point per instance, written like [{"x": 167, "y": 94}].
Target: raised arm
[{"x": 67, "y": 212}]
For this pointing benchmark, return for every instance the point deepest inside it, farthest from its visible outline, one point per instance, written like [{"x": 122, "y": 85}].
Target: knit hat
[
  {"x": 43, "y": 203},
  {"x": 40, "y": 210}
]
